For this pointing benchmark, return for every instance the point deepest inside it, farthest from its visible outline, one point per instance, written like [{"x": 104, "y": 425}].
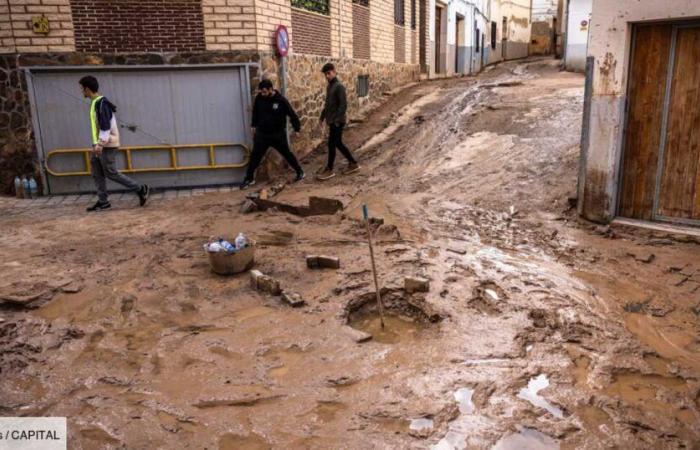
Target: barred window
[
  {"x": 493, "y": 35},
  {"x": 362, "y": 85},
  {"x": 413, "y": 14},
  {"x": 399, "y": 13},
  {"x": 317, "y": 6},
  {"x": 361, "y": 2}
]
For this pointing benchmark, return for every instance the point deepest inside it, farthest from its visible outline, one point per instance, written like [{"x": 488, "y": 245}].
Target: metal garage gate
[
  {"x": 179, "y": 127},
  {"x": 661, "y": 158}
]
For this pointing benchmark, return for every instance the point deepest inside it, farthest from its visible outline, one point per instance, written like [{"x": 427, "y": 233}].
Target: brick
[
  {"x": 264, "y": 283},
  {"x": 416, "y": 284},
  {"x": 292, "y": 299}
]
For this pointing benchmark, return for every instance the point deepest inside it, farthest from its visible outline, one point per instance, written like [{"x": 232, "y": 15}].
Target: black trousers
[
  {"x": 261, "y": 143},
  {"x": 335, "y": 140}
]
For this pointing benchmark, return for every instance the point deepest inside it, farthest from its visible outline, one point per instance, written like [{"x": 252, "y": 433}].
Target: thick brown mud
[{"x": 539, "y": 330}]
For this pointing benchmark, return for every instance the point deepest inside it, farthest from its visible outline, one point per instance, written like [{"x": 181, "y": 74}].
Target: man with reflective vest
[{"x": 105, "y": 144}]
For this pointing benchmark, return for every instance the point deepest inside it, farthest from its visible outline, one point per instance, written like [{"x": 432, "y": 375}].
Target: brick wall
[
  {"x": 268, "y": 15},
  {"x": 399, "y": 44},
  {"x": 138, "y": 25},
  {"x": 312, "y": 34},
  {"x": 16, "y": 34},
  {"x": 229, "y": 24},
  {"x": 360, "y": 30}
]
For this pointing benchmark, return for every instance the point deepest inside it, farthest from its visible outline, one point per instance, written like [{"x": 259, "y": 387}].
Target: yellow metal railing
[{"x": 172, "y": 149}]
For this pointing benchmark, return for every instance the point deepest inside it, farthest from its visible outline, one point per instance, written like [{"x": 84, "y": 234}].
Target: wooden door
[
  {"x": 679, "y": 191},
  {"x": 647, "y": 88}
]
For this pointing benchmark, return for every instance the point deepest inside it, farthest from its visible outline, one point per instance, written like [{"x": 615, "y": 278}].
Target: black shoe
[
  {"x": 144, "y": 192},
  {"x": 246, "y": 184},
  {"x": 99, "y": 206},
  {"x": 300, "y": 176}
]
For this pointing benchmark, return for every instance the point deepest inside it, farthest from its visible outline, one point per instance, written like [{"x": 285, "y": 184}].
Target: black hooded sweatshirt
[{"x": 270, "y": 115}]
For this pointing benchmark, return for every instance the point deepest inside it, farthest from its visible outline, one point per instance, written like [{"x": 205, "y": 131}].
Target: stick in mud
[{"x": 365, "y": 213}]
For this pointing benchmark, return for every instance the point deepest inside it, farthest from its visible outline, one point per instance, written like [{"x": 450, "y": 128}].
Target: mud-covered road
[{"x": 539, "y": 330}]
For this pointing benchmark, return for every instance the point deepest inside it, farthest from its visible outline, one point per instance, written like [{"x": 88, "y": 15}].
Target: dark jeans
[
  {"x": 261, "y": 144},
  {"x": 104, "y": 167},
  {"x": 335, "y": 139}
]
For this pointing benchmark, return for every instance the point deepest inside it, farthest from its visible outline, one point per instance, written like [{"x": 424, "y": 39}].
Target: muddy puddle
[{"x": 396, "y": 329}]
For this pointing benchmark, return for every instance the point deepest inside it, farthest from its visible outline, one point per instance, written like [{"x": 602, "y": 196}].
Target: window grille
[
  {"x": 399, "y": 18},
  {"x": 413, "y": 14},
  {"x": 362, "y": 85},
  {"x": 361, "y": 2}
]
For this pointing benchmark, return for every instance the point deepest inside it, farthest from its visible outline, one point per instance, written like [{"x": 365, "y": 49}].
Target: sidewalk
[{"x": 87, "y": 199}]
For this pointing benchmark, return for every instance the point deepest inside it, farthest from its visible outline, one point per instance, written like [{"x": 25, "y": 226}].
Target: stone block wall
[
  {"x": 138, "y": 25},
  {"x": 17, "y": 35},
  {"x": 229, "y": 24}
]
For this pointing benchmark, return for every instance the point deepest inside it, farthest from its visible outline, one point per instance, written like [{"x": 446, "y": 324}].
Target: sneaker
[
  {"x": 327, "y": 174},
  {"x": 351, "y": 168},
  {"x": 246, "y": 184},
  {"x": 300, "y": 176},
  {"x": 144, "y": 192},
  {"x": 99, "y": 206}
]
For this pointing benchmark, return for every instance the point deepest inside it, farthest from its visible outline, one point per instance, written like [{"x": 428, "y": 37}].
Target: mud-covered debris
[
  {"x": 322, "y": 262},
  {"x": 644, "y": 258},
  {"x": 341, "y": 381},
  {"x": 421, "y": 427},
  {"x": 275, "y": 238},
  {"x": 458, "y": 251},
  {"x": 72, "y": 288},
  {"x": 248, "y": 400},
  {"x": 356, "y": 335},
  {"x": 416, "y": 284},
  {"x": 318, "y": 206},
  {"x": 264, "y": 283},
  {"x": 292, "y": 299},
  {"x": 248, "y": 206}
]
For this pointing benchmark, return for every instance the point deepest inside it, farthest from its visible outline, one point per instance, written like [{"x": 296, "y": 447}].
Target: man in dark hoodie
[
  {"x": 105, "y": 144},
  {"x": 334, "y": 114},
  {"x": 270, "y": 112}
]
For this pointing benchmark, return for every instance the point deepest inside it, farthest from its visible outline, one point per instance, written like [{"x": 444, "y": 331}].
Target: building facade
[
  {"x": 578, "y": 23},
  {"x": 546, "y": 27},
  {"x": 640, "y": 157},
  {"x": 183, "y": 75}
]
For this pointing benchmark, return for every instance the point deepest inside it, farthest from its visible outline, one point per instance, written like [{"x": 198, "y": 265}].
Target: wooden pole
[{"x": 365, "y": 213}]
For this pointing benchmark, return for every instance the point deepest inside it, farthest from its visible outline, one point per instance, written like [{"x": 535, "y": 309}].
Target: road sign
[{"x": 282, "y": 40}]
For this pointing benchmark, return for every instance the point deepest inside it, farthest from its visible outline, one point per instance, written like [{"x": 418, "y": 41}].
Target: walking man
[
  {"x": 334, "y": 114},
  {"x": 105, "y": 144},
  {"x": 270, "y": 112}
]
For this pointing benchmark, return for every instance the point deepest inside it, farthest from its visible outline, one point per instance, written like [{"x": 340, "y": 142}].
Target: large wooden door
[
  {"x": 679, "y": 193},
  {"x": 661, "y": 158}
]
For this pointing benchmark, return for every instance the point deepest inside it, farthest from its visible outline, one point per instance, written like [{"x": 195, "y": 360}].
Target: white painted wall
[
  {"x": 577, "y": 34},
  {"x": 544, "y": 10}
]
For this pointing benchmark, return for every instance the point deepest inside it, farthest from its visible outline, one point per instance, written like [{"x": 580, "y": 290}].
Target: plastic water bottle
[
  {"x": 241, "y": 241},
  {"x": 25, "y": 187},
  {"x": 213, "y": 247},
  {"x": 18, "y": 187},
  {"x": 33, "y": 188},
  {"x": 226, "y": 245}
]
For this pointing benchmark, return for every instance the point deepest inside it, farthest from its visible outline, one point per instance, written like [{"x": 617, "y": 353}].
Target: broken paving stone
[
  {"x": 293, "y": 299},
  {"x": 357, "y": 335},
  {"x": 264, "y": 283},
  {"x": 416, "y": 284},
  {"x": 322, "y": 262}
]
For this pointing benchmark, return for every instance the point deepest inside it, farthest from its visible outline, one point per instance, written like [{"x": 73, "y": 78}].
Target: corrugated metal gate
[{"x": 189, "y": 125}]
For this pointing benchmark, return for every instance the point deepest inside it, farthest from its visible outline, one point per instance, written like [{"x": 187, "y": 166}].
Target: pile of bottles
[
  {"x": 223, "y": 245},
  {"x": 26, "y": 187}
]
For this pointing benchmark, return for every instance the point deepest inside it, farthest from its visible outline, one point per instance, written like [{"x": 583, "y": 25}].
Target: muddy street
[{"x": 539, "y": 330}]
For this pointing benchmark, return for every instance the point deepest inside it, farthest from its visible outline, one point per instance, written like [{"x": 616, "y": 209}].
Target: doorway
[
  {"x": 459, "y": 45},
  {"x": 660, "y": 177},
  {"x": 438, "y": 39}
]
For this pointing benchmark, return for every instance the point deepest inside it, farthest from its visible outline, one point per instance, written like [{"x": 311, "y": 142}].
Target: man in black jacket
[
  {"x": 334, "y": 113},
  {"x": 270, "y": 112}
]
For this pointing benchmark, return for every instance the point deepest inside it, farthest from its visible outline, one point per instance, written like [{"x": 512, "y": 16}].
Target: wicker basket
[{"x": 225, "y": 263}]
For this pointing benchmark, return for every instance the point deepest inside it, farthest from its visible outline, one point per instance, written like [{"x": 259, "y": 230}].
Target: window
[
  {"x": 317, "y": 6},
  {"x": 413, "y": 14},
  {"x": 362, "y": 85},
  {"x": 361, "y": 2},
  {"x": 493, "y": 35},
  {"x": 399, "y": 13}
]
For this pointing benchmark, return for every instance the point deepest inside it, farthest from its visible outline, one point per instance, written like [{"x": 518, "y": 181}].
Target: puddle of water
[
  {"x": 463, "y": 396},
  {"x": 640, "y": 388},
  {"x": 491, "y": 294},
  {"x": 421, "y": 424},
  {"x": 396, "y": 328},
  {"x": 68, "y": 305},
  {"x": 530, "y": 393},
  {"x": 236, "y": 442},
  {"x": 595, "y": 419},
  {"x": 526, "y": 439}
]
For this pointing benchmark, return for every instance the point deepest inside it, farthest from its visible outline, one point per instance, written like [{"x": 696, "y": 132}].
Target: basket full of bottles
[{"x": 226, "y": 258}]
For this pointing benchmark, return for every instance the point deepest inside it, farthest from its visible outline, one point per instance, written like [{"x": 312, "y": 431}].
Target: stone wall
[
  {"x": 17, "y": 143},
  {"x": 307, "y": 88}
]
